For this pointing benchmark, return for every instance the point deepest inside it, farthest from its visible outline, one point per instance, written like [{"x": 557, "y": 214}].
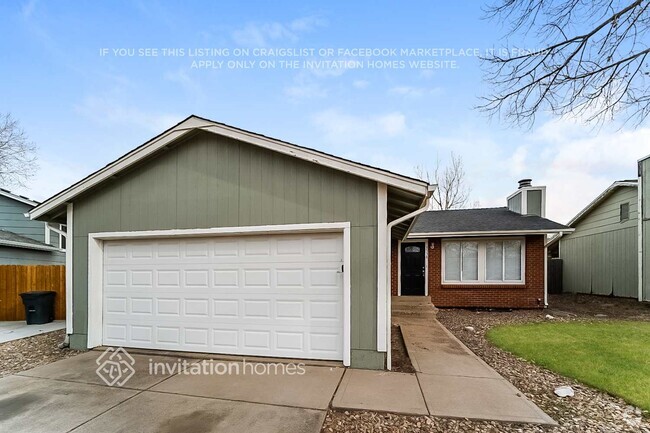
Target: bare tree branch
[
  {"x": 452, "y": 191},
  {"x": 593, "y": 64},
  {"x": 17, "y": 153}
]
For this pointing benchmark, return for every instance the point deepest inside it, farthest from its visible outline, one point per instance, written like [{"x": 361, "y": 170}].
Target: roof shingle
[{"x": 498, "y": 219}]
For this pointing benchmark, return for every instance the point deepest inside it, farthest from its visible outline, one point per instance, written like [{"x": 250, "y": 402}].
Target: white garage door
[{"x": 271, "y": 295}]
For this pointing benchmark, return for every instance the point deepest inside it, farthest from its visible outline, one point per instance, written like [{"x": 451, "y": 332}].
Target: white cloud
[
  {"x": 517, "y": 161},
  {"x": 305, "y": 87},
  {"x": 187, "y": 82},
  {"x": 53, "y": 175},
  {"x": 360, "y": 84},
  {"x": 345, "y": 128},
  {"x": 263, "y": 34},
  {"x": 577, "y": 164},
  {"x": 107, "y": 111},
  {"x": 413, "y": 92},
  {"x": 28, "y": 8}
]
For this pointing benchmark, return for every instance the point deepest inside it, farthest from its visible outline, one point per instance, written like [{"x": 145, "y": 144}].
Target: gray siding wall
[
  {"x": 600, "y": 257},
  {"x": 212, "y": 181},
  {"x": 12, "y": 218},
  {"x": 23, "y": 256},
  {"x": 645, "y": 225},
  {"x": 514, "y": 204}
]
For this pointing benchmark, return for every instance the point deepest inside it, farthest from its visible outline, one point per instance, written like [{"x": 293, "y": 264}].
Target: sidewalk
[
  {"x": 16, "y": 330},
  {"x": 450, "y": 380}
]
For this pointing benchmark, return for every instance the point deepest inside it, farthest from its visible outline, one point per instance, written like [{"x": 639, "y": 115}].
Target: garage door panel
[{"x": 268, "y": 296}]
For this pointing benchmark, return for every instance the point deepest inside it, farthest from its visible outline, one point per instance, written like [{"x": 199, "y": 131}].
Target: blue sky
[{"x": 84, "y": 109}]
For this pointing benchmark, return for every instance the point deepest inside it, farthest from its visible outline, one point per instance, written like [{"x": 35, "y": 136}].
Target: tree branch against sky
[
  {"x": 452, "y": 191},
  {"x": 592, "y": 63},
  {"x": 17, "y": 153}
]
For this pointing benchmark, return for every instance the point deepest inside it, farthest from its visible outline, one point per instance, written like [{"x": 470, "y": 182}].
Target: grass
[{"x": 613, "y": 356}]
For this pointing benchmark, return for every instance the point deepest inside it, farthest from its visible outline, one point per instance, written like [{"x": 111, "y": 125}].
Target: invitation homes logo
[{"x": 115, "y": 367}]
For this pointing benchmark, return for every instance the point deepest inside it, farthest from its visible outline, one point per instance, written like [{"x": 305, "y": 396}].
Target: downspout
[
  {"x": 546, "y": 276},
  {"x": 423, "y": 207}
]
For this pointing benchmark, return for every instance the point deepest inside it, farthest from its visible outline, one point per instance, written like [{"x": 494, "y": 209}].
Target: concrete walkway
[
  {"x": 454, "y": 381},
  {"x": 20, "y": 329}
]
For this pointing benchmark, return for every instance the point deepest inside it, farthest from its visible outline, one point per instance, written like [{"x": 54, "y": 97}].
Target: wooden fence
[{"x": 16, "y": 279}]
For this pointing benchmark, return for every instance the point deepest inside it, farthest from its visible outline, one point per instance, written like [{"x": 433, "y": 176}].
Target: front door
[{"x": 412, "y": 268}]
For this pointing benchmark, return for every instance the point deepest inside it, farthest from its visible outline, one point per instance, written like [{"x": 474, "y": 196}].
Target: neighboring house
[
  {"x": 24, "y": 241},
  {"x": 209, "y": 238},
  {"x": 492, "y": 257},
  {"x": 643, "y": 219},
  {"x": 601, "y": 256}
]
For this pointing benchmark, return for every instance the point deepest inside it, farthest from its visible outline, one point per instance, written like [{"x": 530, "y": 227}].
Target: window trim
[{"x": 482, "y": 262}]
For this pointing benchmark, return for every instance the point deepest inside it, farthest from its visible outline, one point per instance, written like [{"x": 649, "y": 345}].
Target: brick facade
[{"x": 529, "y": 295}]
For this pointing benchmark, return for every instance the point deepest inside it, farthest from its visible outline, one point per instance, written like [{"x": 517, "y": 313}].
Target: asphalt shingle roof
[
  {"x": 14, "y": 239},
  {"x": 498, "y": 219}
]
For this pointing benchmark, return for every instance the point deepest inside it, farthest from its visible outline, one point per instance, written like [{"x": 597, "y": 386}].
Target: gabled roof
[
  {"x": 194, "y": 123},
  {"x": 481, "y": 222},
  {"x": 628, "y": 183},
  {"x": 17, "y": 197},
  {"x": 11, "y": 239}
]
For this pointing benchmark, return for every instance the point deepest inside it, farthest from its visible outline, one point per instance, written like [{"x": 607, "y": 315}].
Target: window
[
  {"x": 624, "y": 212},
  {"x": 62, "y": 239},
  {"x": 412, "y": 249},
  {"x": 485, "y": 261}
]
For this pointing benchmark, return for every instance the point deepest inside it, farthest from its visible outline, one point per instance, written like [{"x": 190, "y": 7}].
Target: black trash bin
[{"x": 39, "y": 307}]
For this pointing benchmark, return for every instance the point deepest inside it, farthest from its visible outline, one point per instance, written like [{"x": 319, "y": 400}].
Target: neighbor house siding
[
  {"x": 600, "y": 256},
  {"x": 212, "y": 181},
  {"x": 13, "y": 219},
  {"x": 24, "y": 256},
  {"x": 644, "y": 172}
]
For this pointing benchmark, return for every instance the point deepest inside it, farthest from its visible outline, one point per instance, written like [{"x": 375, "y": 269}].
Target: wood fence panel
[{"x": 16, "y": 279}]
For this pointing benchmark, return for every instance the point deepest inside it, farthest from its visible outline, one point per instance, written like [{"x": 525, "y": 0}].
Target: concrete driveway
[{"x": 68, "y": 395}]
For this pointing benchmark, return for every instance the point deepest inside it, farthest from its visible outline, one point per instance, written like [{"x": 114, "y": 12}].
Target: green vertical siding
[
  {"x": 213, "y": 181},
  {"x": 600, "y": 257}
]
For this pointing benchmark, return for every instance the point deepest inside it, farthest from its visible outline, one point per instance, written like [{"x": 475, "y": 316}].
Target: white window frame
[
  {"x": 482, "y": 262},
  {"x": 63, "y": 228},
  {"x": 426, "y": 264}
]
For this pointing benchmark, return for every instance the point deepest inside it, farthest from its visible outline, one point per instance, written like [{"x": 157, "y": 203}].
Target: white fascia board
[
  {"x": 316, "y": 157},
  {"x": 194, "y": 123},
  {"x": 105, "y": 173},
  {"x": 18, "y": 198},
  {"x": 610, "y": 189},
  {"x": 487, "y": 233},
  {"x": 28, "y": 246}
]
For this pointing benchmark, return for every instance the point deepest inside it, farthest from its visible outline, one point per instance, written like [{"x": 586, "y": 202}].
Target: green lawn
[{"x": 612, "y": 356}]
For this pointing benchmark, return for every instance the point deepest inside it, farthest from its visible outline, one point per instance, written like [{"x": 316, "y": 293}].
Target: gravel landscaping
[
  {"x": 589, "y": 410},
  {"x": 27, "y": 353}
]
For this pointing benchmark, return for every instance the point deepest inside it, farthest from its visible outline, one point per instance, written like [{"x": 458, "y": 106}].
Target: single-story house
[
  {"x": 24, "y": 241},
  {"x": 487, "y": 258},
  {"x": 601, "y": 256},
  {"x": 210, "y": 238}
]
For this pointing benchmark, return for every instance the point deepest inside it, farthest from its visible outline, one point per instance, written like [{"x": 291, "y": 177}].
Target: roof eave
[
  {"x": 194, "y": 123},
  {"x": 29, "y": 246},
  {"x": 602, "y": 196},
  {"x": 488, "y": 233}
]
